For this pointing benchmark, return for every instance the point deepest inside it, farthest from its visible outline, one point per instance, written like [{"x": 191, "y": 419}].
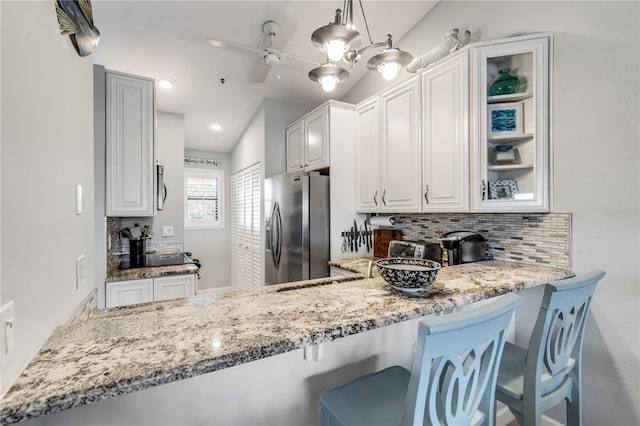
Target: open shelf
[
  {"x": 508, "y": 139},
  {"x": 499, "y": 167},
  {"x": 512, "y": 97}
]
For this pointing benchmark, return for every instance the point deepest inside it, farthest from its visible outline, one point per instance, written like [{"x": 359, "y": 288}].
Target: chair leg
[
  {"x": 517, "y": 415},
  {"x": 574, "y": 405},
  {"x": 532, "y": 413}
]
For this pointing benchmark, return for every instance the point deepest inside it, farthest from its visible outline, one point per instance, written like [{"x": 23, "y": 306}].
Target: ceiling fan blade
[
  {"x": 261, "y": 73},
  {"x": 226, "y": 44},
  {"x": 288, "y": 28},
  {"x": 307, "y": 62}
]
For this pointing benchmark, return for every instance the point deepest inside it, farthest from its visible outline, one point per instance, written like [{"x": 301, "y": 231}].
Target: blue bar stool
[
  {"x": 452, "y": 380},
  {"x": 534, "y": 380}
]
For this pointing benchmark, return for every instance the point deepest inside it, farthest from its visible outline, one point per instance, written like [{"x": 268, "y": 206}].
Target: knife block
[{"x": 381, "y": 240}]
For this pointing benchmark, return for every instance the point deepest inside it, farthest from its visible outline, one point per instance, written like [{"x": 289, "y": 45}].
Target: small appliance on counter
[
  {"x": 464, "y": 247},
  {"x": 416, "y": 250}
]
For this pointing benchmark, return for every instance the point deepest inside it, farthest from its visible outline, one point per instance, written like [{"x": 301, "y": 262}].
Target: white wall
[
  {"x": 169, "y": 147},
  {"x": 213, "y": 246},
  {"x": 595, "y": 122},
  {"x": 47, "y": 148},
  {"x": 250, "y": 148},
  {"x": 279, "y": 115}
]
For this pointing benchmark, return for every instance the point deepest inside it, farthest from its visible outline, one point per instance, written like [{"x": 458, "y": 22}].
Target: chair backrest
[
  {"x": 555, "y": 346},
  {"x": 455, "y": 365}
]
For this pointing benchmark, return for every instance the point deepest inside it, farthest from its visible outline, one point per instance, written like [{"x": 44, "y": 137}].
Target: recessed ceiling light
[
  {"x": 216, "y": 127},
  {"x": 165, "y": 83}
]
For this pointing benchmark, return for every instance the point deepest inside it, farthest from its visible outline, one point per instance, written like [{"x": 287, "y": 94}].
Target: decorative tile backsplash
[
  {"x": 529, "y": 238},
  {"x": 118, "y": 247}
]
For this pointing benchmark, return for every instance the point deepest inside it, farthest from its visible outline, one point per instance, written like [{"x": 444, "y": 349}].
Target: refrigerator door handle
[
  {"x": 278, "y": 246},
  {"x": 272, "y": 233}
]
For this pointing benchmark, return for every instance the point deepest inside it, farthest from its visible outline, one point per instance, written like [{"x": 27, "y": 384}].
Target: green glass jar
[{"x": 505, "y": 84}]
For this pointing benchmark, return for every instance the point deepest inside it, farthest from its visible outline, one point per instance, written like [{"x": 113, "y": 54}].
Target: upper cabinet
[
  {"x": 367, "y": 156},
  {"x": 295, "y": 146},
  {"x": 445, "y": 136},
  {"x": 129, "y": 140},
  {"x": 511, "y": 90},
  {"x": 388, "y": 163},
  {"x": 308, "y": 141},
  {"x": 400, "y": 148}
]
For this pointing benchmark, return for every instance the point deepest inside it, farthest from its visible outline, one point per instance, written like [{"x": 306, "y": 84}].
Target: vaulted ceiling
[{"x": 168, "y": 39}]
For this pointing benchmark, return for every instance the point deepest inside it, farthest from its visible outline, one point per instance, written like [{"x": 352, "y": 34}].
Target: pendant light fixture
[
  {"x": 389, "y": 61},
  {"x": 340, "y": 40},
  {"x": 328, "y": 75}
]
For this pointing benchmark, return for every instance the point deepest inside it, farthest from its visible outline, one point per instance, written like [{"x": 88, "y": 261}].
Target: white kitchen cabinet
[
  {"x": 295, "y": 146},
  {"x": 131, "y": 292},
  {"x": 173, "y": 287},
  {"x": 388, "y": 164},
  {"x": 400, "y": 148},
  {"x": 309, "y": 138},
  {"x": 246, "y": 220},
  {"x": 445, "y": 135},
  {"x": 129, "y": 145},
  {"x": 316, "y": 132},
  {"x": 367, "y": 156},
  {"x": 523, "y": 185}
]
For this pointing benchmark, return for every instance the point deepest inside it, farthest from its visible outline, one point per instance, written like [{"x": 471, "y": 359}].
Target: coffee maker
[{"x": 464, "y": 247}]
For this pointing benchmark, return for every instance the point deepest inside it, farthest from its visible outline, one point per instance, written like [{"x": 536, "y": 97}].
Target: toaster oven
[{"x": 416, "y": 249}]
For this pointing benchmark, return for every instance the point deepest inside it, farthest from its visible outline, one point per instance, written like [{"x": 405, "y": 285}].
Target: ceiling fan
[{"x": 273, "y": 53}]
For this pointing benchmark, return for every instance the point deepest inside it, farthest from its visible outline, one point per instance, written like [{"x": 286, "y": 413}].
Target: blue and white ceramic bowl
[{"x": 408, "y": 273}]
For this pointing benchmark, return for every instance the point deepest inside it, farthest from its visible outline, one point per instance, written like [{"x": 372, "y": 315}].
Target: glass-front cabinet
[{"x": 511, "y": 146}]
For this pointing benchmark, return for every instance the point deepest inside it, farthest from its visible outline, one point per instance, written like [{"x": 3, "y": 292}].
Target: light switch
[
  {"x": 167, "y": 231},
  {"x": 7, "y": 332},
  {"x": 78, "y": 199}
]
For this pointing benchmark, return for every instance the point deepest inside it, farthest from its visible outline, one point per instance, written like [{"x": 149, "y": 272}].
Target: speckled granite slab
[
  {"x": 129, "y": 349},
  {"x": 150, "y": 272}
]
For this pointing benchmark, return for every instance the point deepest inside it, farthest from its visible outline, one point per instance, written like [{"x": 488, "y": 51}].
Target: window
[{"x": 204, "y": 199}]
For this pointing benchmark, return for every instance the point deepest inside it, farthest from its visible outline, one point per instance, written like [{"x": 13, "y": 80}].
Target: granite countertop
[
  {"x": 114, "y": 273},
  {"x": 124, "y": 350}
]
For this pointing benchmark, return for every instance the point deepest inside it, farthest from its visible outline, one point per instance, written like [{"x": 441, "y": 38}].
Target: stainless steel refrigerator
[{"x": 297, "y": 227}]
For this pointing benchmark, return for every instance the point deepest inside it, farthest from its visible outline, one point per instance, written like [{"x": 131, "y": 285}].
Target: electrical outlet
[
  {"x": 80, "y": 271},
  {"x": 7, "y": 332},
  {"x": 167, "y": 231}
]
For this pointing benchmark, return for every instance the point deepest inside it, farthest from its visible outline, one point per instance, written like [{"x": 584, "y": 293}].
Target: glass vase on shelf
[{"x": 505, "y": 84}]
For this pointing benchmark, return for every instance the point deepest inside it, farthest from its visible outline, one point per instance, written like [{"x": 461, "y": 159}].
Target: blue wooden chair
[
  {"x": 534, "y": 380},
  {"x": 452, "y": 380}
]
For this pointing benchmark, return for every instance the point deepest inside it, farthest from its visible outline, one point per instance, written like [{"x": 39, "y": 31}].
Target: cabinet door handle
[
  {"x": 426, "y": 194},
  {"x": 384, "y": 201},
  {"x": 375, "y": 197},
  {"x": 483, "y": 189}
]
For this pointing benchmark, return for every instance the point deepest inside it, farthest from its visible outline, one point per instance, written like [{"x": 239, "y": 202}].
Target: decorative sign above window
[
  {"x": 202, "y": 162},
  {"x": 75, "y": 18}
]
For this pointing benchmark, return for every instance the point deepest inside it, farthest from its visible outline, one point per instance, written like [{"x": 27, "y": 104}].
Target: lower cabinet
[
  {"x": 132, "y": 292},
  {"x": 176, "y": 287}
]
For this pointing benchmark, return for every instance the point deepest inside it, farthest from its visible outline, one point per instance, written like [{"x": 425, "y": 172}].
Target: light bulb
[
  {"x": 328, "y": 82},
  {"x": 389, "y": 70},
  {"x": 335, "y": 48}
]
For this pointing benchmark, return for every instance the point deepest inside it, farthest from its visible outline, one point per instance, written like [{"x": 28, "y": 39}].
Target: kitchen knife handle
[
  {"x": 483, "y": 188},
  {"x": 384, "y": 201},
  {"x": 375, "y": 197},
  {"x": 426, "y": 194}
]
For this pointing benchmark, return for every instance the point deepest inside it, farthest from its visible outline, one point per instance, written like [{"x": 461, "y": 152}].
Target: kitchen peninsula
[{"x": 125, "y": 350}]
